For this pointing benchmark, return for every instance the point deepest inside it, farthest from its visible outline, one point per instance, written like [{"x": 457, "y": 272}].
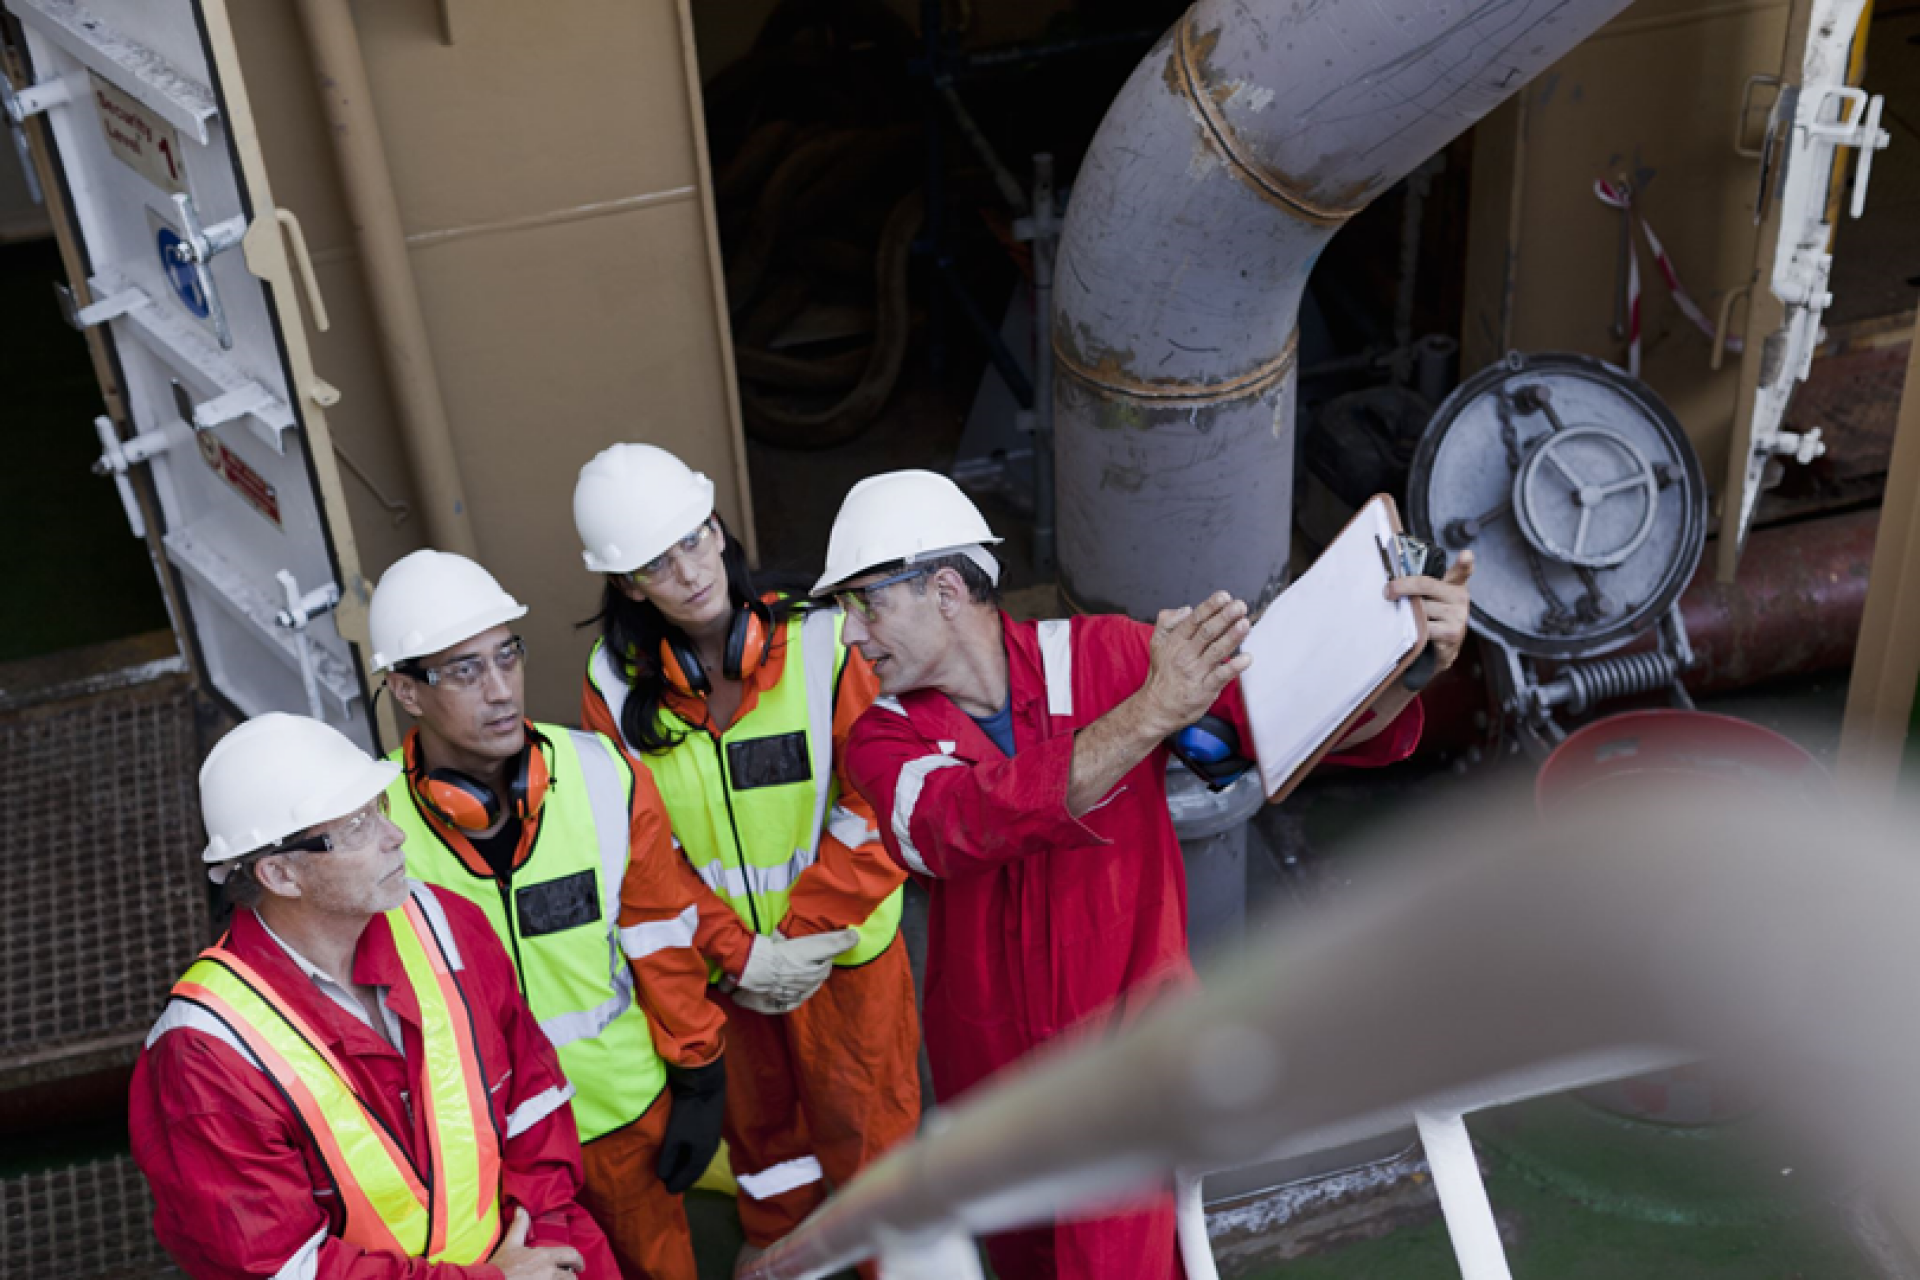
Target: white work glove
[{"x": 782, "y": 972}]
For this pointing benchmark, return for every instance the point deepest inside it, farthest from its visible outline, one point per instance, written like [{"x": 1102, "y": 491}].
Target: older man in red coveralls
[
  {"x": 291, "y": 1112},
  {"x": 1019, "y": 769}
]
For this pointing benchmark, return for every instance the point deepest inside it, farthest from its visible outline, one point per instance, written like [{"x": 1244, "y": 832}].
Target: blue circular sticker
[{"x": 186, "y": 285}]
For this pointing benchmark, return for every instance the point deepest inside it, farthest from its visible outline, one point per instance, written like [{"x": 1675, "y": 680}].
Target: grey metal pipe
[
  {"x": 1506, "y": 960},
  {"x": 341, "y": 75},
  {"x": 1249, "y": 135}
]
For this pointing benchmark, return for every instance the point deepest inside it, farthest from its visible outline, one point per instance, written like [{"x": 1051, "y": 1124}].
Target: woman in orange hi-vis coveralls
[{"x": 739, "y": 705}]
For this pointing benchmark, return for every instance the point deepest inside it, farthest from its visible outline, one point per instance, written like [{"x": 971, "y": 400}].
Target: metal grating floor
[
  {"x": 88, "y": 1222},
  {"x": 101, "y": 841}
]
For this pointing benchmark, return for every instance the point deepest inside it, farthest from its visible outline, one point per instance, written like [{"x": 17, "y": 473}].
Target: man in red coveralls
[
  {"x": 349, "y": 1085},
  {"x": 1019, "y": 769}
]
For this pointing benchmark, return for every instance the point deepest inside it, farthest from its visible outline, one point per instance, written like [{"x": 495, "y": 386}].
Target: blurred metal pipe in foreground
[{"x": 1501, "y": 949}]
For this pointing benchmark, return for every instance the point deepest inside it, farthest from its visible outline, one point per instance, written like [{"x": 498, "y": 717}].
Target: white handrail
[{"x": 1510, "y": 962}]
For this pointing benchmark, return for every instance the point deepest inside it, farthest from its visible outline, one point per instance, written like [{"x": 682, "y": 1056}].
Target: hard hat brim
[
  {"x": 685, "y": 518},
  {"x": 363, "y": 787},
  {"x": 507, "y": 609},
  {"x": 831, "y": 581}
]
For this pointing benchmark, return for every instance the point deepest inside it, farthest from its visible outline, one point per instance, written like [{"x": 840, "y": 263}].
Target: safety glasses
[
  {"x": 655, "y": 569},
  {"x": 465, "y": 673},
  {"x": 356, "y": 832},
  {"x": 861, "y": 599}
]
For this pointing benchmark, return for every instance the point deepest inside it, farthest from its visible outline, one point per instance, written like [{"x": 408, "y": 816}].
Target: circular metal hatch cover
[{"x": 1576, "y": 490}]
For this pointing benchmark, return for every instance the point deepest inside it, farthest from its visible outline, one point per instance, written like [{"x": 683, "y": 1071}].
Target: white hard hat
[
  {"x": 430, "y": 600},
  {"x": 632, "y": 502},
  {"x": 904, "y": 516},
  {"x": 278, "y": 774}
]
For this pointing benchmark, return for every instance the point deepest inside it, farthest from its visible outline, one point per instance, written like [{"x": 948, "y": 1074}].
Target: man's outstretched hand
[{"x": 1195, "y": 656}]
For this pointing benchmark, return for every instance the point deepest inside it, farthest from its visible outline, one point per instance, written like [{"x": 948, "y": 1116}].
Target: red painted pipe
[{"x": 1795, "y": 610}]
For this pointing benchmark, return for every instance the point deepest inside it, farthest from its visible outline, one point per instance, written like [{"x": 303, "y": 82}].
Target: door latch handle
[{"x": 198, "y": 249}]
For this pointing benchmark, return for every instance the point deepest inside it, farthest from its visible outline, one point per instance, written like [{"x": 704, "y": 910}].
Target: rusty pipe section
[{"x": 1247, "y": 137}]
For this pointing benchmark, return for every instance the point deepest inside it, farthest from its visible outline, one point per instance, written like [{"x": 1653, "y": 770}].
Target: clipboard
[{"x": 1302, "y": 638}]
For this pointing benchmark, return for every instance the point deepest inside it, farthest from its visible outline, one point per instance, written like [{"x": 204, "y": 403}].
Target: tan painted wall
[
  {"x": 551, "y": 175},
  {"x": 1655, "y": 93}
]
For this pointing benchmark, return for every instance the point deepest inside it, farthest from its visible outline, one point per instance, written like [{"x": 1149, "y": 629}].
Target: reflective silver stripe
[
  {"x": 641, "y": 940},
  {"x": 1056, "y": 659},
  {"x": 818, "y": 634},
  {"x": 305, "y": 1263},
  {"x": 564, "y": 1028},
  {"x": 906, "y": 796},
  {"x": 849, "y": 828},
  {"x": 610, "y": 682},
  {"x": 732, "y": 882},
  {"x": 537, "y": 1108},
  {"x": 608, "y": 797},
  {"x": 436, "y": 915},
  {"x": 887, "y": 702},
  {"x": 184, "y": 1015},
  {"x": 780, "y": 1179}
]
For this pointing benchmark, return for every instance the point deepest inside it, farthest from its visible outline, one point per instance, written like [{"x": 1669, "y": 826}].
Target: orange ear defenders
[
  {"x": 467, "y": 804},
  {"x": 749, "y": 640}
]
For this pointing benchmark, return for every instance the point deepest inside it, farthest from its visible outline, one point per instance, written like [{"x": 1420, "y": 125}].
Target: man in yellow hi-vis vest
[
  {"x": 564, "y": 844},
  {"x": 349, "y": 1083}
]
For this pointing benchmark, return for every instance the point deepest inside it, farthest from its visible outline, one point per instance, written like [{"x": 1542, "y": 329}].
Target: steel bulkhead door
[{"x": 191, "y": 275}]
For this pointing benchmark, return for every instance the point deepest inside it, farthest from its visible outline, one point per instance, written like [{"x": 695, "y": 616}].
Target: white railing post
[{"x": 1463, "y": 1197}]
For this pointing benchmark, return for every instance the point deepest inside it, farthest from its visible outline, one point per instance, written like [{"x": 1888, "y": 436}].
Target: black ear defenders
[
  {"x": 749, "y": 641},
  {"x": 467, "y": 804}
]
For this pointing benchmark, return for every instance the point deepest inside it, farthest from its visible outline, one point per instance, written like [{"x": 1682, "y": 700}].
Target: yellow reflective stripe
[{"x": 466, "y": 1199}]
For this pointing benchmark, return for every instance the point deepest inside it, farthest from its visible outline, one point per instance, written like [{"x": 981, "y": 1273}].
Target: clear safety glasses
[
  {"x": 465, "y": 673},
  {"x": 655, "y": 569},
  {"x": 861, "y": 599},
  {"x": 355, "y": 832}
]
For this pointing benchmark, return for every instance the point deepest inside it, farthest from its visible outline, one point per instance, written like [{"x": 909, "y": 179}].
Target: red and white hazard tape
[{"x": 1621, "y": 198}]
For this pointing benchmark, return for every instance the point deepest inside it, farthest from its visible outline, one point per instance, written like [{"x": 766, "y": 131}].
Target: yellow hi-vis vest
[
  {"x": 446, "y": 1212},
  {"x": 748, "y": 808},
  {"x": 558, "y": 917}
]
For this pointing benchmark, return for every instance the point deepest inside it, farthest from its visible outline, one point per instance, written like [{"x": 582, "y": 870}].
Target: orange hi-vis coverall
[
  {"x": 814, "y": 1095},
  {"x": 621, "y": 1104}
]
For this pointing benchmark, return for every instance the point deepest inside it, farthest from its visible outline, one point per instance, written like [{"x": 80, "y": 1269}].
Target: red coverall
[
  {"x": 837, "y": 1080},
  {"x": 239, "y": 1188},
  {"x": 1042, "y": 925}
]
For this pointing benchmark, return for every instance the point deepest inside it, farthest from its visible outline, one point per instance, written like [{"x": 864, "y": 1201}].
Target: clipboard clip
[{"x": 1411, "y": 557}]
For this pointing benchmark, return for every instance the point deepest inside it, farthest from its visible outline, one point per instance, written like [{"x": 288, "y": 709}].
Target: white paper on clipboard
[{"x": 1324, "y": 647}]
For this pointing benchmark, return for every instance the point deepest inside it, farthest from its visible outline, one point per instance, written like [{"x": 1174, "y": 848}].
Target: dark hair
[
  {"x": 633, "y": 630},
  {"x": 980, "y": 588},
  {"x": 242, "y": 888}
]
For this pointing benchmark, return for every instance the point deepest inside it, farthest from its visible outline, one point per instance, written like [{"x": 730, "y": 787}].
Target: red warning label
[{"x": 241, "y": 478}]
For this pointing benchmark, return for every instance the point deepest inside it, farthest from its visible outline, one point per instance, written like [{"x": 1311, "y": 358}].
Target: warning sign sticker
[
  {"x": 241, "y": 478},
  {"x": 139, "y": 139}
]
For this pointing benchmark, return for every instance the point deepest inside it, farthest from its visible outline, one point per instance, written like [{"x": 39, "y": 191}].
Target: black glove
[{"x": 693, "y": 1127}]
